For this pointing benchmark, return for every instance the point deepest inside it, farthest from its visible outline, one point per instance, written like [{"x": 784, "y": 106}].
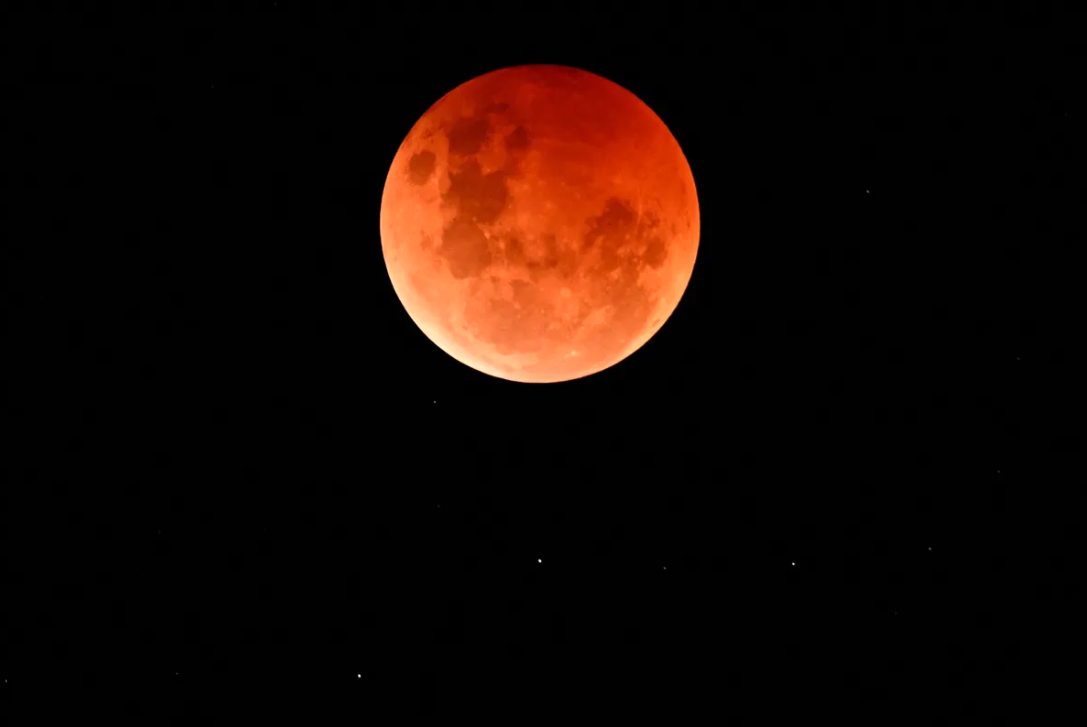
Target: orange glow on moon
[{"x": 539, "y": 223}]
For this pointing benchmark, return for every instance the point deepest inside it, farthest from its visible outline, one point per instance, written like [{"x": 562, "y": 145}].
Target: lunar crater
[
  {"x": 518, "y": 139},
  {"x": 421, "y": 166},
  {"x": 475, "y": 195},
  {"x": 467, "y": 135}
]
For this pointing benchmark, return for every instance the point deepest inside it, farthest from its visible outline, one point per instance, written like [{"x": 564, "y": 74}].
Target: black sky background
[{"x": 840, "y": 483}]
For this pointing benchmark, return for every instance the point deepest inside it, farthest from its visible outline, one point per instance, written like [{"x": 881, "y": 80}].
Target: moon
[{"x": 539, "y": 223}]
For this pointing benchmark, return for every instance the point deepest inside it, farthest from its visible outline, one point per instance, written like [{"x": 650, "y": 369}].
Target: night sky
[{"x": 840, "y": 484}]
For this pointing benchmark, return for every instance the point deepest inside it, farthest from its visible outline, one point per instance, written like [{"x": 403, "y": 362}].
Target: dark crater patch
[
  {"x": 616, "y": 228},
  {"x": 611, "y": 226},
  {"x": 613, "y": 230},
  {"x": 477, "y": 196},
  {"x": 467, "y": 136},
  {"x": 656, "y": 252},
  {"x": 421, "y": 167},
  {"x": 515, "y": 251},
  {"x": 465, "y": 248},
  {"x": 517, "y": 139},
  {"x": 551, "y": 257}
]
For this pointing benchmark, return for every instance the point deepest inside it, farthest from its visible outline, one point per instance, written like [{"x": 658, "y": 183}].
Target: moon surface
[{"x": 539, "y": 223}]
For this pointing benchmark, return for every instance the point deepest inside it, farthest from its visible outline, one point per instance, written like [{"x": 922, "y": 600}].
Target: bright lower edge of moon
[{"x": 539, "y": 223}]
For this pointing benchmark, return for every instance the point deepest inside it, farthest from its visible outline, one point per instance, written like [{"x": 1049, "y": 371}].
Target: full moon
[{"x": 539, "y": 223}]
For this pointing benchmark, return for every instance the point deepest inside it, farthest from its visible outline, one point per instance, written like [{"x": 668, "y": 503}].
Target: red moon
[{"x": 539, "y": 223}]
